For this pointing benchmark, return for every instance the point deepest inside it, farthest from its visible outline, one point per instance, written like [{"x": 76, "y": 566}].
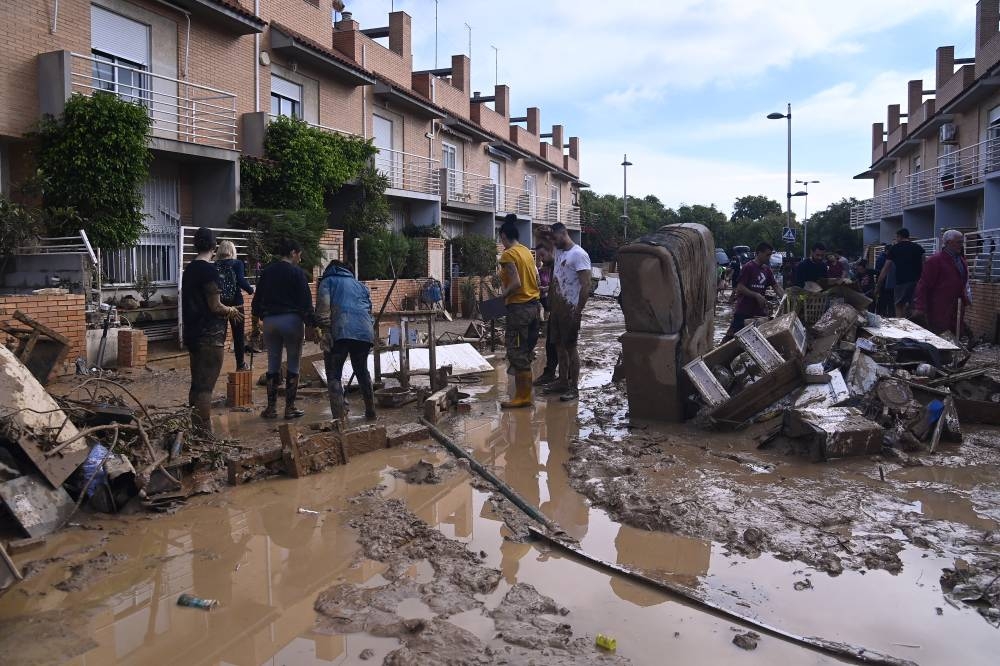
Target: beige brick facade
[{"x": 938, "y": 167}]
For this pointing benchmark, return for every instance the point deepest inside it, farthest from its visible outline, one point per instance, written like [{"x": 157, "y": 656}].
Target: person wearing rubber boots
[
  {"x": 284, "y": 303},
  {"x": 519, "y": 278},
  {"x": 205, "y": 322},
  {"x": 568, "y": 297},
  {"x": 344, "y": 316}
]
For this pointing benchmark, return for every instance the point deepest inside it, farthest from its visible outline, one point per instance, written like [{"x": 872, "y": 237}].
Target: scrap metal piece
[{"x": 38, "y": 509}]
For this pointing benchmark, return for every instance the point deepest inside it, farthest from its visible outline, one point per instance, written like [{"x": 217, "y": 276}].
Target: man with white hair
[{"x": 943, "y": 288}]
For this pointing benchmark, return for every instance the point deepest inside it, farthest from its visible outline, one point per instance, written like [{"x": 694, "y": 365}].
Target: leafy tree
[
  {"x": 832, "y": 227},
  {"x": 93, "y": 159},
  {"x": 475, "y": 255},
  {"x": 305, "y": 226},
  {"x": 754, "y": 207},
  {"x": 709, "y": 216}
]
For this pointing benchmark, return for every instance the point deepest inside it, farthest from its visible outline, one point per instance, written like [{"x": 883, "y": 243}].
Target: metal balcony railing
[
  {"x": 516, "y": 200},
  {"x": 179, "y": 109},
  {"x": 861, "y": 214},
  {"x": 961, "y": 168},
  {"x": 331, "y": 130},
  {"x": 405, "y": 171},
  {"x": 571, "y": 216},
  {"x": 982, "y": 251},
  {"x": 469, "y": 188}
]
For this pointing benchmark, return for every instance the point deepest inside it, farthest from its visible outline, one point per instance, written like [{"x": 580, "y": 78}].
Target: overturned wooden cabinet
[{"x": 668, "y": 284}]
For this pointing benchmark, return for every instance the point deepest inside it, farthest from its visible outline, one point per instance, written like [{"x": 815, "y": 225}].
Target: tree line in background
[{"x": 754, "y": 219}]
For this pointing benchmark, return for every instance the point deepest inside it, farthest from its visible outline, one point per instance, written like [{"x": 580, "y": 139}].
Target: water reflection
[{"x": 263, "y": 561}]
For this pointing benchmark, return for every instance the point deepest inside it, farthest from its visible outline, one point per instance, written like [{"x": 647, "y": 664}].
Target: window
[
  {"x": 529, "y": 186},
  {"x": 449, "y": 158},
  {"x": 286, "y": 98},
  {"x": 121, "y": 51},
  {"x": 496, "y": 178}
]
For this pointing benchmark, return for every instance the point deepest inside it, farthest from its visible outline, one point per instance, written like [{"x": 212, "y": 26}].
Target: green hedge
[
  {"x": 305, "y": 226},
  {"x": 408, "y": 255},
  {"x": 475, "y": 255},
  {"x": 93, "y": 159}
]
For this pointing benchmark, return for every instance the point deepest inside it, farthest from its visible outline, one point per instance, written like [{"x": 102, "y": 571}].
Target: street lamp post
[
  {"x": 805, "y": 215},
  {"x": 788, "y": 190},
  {"x": 625, "y": 165}
]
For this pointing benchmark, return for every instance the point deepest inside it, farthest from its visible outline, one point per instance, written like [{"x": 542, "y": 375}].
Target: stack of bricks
[
  {"x": 239, "y": 389},
  {"x": 982, "y": 316},
  {"x": 64, "y": 313},
  {"x": 132, "y": 348}
]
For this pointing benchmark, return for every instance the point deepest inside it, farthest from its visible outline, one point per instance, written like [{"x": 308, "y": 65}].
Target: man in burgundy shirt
[{"x": 755, "y": 278}]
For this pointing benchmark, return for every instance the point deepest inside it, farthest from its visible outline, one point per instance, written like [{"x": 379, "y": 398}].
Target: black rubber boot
[
  {"x": 291, "y": 388},
  {"x": 271, "y": 412},
  {"x": 335, "y": 391}
]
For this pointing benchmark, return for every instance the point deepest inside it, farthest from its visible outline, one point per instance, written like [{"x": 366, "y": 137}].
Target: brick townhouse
[
  {"x": 936, "y": 165},
  {"x": 212, "y": 74}
]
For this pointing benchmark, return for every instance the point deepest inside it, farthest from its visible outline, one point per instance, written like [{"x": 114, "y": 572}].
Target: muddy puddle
[{"x": 410, "y": 560}]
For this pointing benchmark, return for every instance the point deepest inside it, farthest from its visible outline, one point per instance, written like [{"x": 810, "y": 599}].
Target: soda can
[
  {"x": 606, "y": 643},
  {"x": 192, "y": 601}
]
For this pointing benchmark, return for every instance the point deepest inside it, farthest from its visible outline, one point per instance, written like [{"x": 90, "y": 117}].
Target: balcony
[
  {"x": 180, "y": 110},
  {"x": 409, "y": 174},
  {"x": 861, "y": 214},
  {"x": 571, "y": 217},
  {"x": 468, "y": 191},
  {"x": 981, "y": 253}
]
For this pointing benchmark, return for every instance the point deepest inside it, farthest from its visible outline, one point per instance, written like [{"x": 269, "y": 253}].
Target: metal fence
[
  {"x": 981, "y": 251},
  {"x": 406, "y": 171}
]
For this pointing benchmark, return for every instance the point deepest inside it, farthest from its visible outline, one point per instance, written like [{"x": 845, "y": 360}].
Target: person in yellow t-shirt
[{"x": 519, "y": 278}]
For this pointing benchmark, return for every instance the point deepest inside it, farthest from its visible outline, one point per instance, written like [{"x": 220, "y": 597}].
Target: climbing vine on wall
[
  {"x": 302, "y": 166},
  {"x": 93, "y": 159}
]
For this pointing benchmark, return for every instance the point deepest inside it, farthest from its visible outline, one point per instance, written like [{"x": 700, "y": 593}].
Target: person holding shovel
[{"x": 344, "y": 316}]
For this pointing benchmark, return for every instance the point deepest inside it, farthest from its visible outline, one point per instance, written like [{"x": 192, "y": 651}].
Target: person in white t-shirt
[{"x": 567, "y": 297}]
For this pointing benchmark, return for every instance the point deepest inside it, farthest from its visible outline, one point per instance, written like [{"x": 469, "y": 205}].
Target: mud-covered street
[{"x": 405, "y": 556}]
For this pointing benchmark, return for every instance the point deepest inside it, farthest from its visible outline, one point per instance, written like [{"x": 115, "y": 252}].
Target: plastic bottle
[{"x": 196, "y": 602}]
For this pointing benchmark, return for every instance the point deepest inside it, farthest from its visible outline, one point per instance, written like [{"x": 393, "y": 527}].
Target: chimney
[
  {"x": 914, "y": 97},
  {"x": 423, "y": 83},
  {"x": 557, "y": 137},
  {"x": 574, "y": 147},
  {"x": 987, "y": 23},
  {"x": 878, "y": 134},
  {"x": 945, "y": 67},
  {"x": 346, "y": 23},
  {"x": 893, "y": 120},
  {"x": 461, "y": 73},
  {"x": 534, "y": 120},
  {"x": 501, "y": 103},
  {"x": 399, "y": 34}
]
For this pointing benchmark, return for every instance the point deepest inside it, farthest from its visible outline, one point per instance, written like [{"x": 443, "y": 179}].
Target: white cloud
[
  {"x": 679, "y": 179},
  {"x": 847, "y": 106},
  {"x": 563, "y": 47}
]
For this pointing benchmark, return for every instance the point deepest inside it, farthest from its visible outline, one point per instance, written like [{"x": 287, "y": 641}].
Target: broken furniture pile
[
  {"x": 98, "y": 444},
  {"x": 848, "y": 384}
]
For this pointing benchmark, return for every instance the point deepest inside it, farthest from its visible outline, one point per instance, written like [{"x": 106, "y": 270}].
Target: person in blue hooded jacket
[{"x": 343, "y": 310}]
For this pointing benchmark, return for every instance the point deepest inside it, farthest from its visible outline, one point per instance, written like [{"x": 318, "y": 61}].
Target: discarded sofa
[{"x": 668, "y": 285}]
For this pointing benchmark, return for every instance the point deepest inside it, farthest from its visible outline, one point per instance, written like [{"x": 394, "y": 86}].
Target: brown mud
[
  {"x": 395, "y": 570},
  {"x": 527, "y": 625}
]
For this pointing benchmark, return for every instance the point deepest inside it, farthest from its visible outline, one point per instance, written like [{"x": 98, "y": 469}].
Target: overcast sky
[{"x": 683, "y": 86}]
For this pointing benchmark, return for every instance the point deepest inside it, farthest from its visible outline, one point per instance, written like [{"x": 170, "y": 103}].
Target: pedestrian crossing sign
[{"x": 788, "y": 235}]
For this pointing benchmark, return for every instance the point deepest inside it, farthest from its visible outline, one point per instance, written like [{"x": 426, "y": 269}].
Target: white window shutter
[{"x": 119, "y": 36}]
